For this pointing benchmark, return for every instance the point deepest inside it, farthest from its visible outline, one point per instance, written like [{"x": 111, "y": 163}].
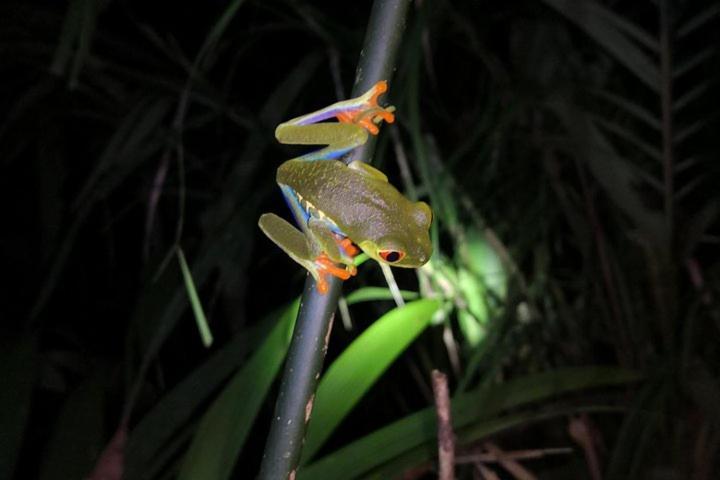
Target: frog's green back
[{"x": 364, "y": 206}]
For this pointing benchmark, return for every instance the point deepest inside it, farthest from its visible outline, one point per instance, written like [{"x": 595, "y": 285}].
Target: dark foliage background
[{"x": 569, "y": 150}]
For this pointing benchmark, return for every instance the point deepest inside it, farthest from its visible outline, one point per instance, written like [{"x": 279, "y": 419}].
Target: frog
[{"x": 343, "y": 209}]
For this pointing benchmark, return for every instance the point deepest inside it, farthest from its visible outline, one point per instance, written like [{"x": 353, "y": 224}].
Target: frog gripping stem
[
  {"x": 369, "y": 114},
  {"x": 306, "y": 354}
]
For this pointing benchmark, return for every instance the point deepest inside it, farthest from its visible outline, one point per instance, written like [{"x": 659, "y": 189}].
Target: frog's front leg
[
  {"x": 340, "y": 138},
  {"x": 356, "y": 117},
  {"x": 354, "y": 110}
]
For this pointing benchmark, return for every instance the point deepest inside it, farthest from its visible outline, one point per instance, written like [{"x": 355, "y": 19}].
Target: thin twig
[
  {"x": 579, "y": 430},
  {"x": 446, "y": 437},
  {"x": 495, "y": 457},
  {"x": 511, "y": 466}
]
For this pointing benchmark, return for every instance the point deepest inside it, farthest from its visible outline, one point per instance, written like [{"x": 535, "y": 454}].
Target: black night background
[{"x": 569, "y": 150}]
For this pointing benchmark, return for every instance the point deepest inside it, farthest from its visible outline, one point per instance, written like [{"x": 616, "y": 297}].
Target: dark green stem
[{"x": 314, "y": 323}]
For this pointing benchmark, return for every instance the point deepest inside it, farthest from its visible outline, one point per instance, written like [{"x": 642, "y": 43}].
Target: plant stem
[{"x": 314, "y": 324}]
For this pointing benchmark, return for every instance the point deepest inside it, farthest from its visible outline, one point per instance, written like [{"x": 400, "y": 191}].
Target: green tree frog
[{"x": 344, "y": 209}]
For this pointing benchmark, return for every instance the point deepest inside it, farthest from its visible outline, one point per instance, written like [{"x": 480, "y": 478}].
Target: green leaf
[
  {"x": 353, "y": 373},
  {"x": 372, "y": 294},
  {"x": 159, "y": 434},
  {"x": 485, "y": 263},
  {"x": 197, "y": 309},
  {"x": 224, "y": 428},
  {"x": 477, "y": 431},
  {"x": 483, "y": 404},
  {"x": 472, "y": 331}
]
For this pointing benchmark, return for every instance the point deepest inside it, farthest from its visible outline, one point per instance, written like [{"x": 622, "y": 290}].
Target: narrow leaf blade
[
  {"x": 361, "y": 364},
  {"x": 197, "y": 309},
  {"x": 225, "y": 427}
]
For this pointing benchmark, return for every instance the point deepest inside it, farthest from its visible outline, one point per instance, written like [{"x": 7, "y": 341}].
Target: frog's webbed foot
[
  {"x": 368, "y": 114},
  {"x": 340, "y": 251},
  {"x": 325, "y": 266}
]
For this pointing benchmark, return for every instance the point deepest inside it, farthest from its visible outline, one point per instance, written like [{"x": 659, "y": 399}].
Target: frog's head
[{"x": 408, "y": 244}]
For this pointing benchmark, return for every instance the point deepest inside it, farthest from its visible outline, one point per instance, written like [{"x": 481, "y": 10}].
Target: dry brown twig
[{"x": 446, "y": 437}]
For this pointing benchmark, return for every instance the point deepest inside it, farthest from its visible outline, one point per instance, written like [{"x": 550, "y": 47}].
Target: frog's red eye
[{"x": 391, "y": 256}]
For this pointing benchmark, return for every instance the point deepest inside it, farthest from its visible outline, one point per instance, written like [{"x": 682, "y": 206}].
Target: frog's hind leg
[
  {"x": 290, "y": 240},
  {"x": 340, "y": 138},
  {"x": 306, "y": 249}
]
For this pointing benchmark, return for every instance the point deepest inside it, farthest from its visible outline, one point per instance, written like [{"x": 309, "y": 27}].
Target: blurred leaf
[
  {"x": 371, "y": 294},
  {"x": 683, "y": 133},
  {"x": 612, "y": 172},
  {"x": 153, "y": 437},
  {"x": 610, "y": 31},
  {"x": 696, "y": 226},
  {"x": 84, "y": 39},
  {"x": 472, "y": 331},
  {"x": 197, "y": 308},
  {"x": 639, "y": 428},
  {"x": 137, "y": 137},
  {"x": 481, "y": 405},
  {"x": 694, "y": 93},
  {"x": 78, "y": 433},
  {"x": 353, "y": 373},
  {"x": 135, "y": 140},
  {"x": 70, "y": 29},
  {"x": 219, "y": 28},
  {"x": 19, "y": 363},
  {"x": 485, "y": 263},
  {"x": 685, "y": 65},
  {"x": 631, "y": 136},
  {"x": 712, "y": 11},
  {"x": 224, "y": 427},
  {"x": 633, "y": 108}
]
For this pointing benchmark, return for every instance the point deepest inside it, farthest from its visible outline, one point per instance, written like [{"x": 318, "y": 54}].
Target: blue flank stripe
[
  {"x": 337, "y": 153},
  {"x": 294, "y": 203}
]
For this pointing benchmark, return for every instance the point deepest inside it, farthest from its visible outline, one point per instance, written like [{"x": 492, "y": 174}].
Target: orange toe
[
  {"x": 327, "y": 266},
  {"x": 349, "y": 247},
  {"x": 379, "y": 88}
]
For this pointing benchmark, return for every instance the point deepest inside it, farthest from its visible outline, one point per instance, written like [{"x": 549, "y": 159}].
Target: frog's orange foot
[
  {"x": 372, "y": 117},
  {"x": 327, "y": 267},
  {"x": 369, "y": 114}
]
